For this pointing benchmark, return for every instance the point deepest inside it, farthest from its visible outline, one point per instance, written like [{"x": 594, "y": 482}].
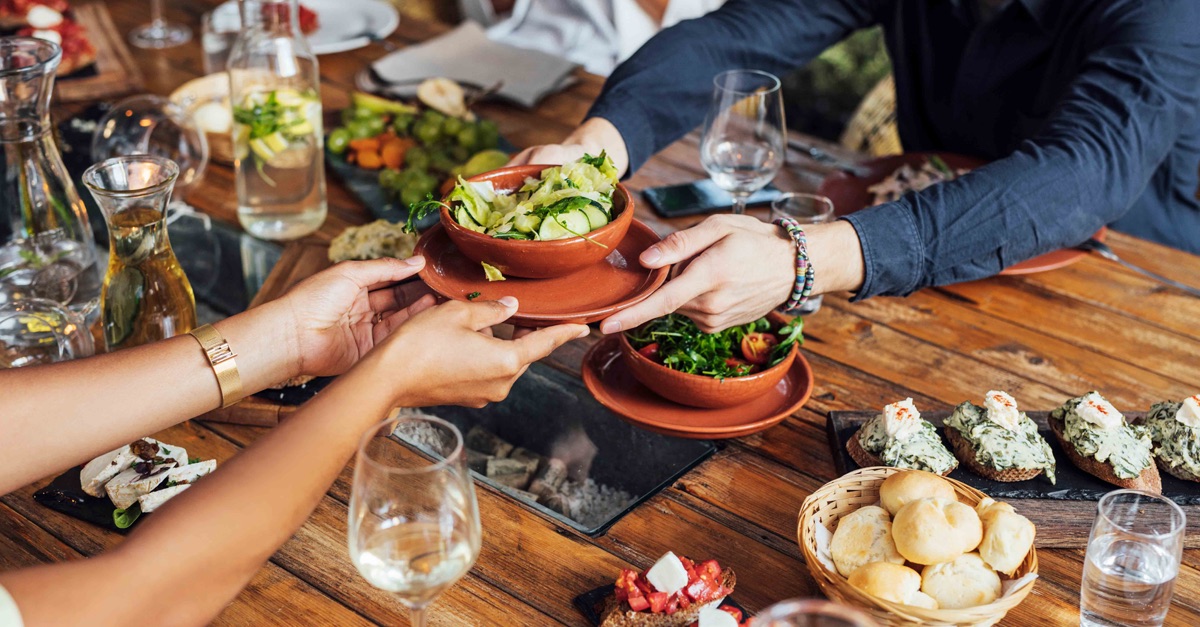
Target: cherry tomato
[
  {"x": 743, "y": 367},
  {"x": 756, "y": 347},
  {"x": 650, "y": 351},
  {"x": 658, "y": 601}
]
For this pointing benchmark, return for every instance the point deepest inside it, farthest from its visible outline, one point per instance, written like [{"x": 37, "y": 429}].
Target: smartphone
[{"x": 673, "y": 201}]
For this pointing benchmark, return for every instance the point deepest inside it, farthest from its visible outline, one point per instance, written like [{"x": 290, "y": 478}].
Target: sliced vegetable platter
[{"x": 391, "y": 154}]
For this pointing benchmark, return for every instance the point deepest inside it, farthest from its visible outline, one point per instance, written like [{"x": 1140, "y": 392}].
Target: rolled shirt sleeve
[
  {"x": 663, "y": 90},
  {"x": 1085, "y": 168}
]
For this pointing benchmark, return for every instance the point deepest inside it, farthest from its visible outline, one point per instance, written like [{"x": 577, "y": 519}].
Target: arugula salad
[
  {"x": 677, "y": 343},
  {"x": 565, "y": 201}
]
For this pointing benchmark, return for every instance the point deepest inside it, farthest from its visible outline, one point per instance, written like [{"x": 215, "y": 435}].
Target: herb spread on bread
[
  {"x": 902, "y": 439},
  {"x": 1175, "y": 431},
  {"x": 1097, "y": 430},
  {"x": 1002, "y": 437}
]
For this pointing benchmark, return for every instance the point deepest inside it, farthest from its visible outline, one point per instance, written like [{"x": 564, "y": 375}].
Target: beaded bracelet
[{"x": 804, "y": 270}]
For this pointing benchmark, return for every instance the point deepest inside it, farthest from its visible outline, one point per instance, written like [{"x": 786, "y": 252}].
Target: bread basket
[{"x": 861, "y": 487}]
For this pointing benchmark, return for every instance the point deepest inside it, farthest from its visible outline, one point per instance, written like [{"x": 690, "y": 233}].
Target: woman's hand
[
  {"x": 335, "y": 316},
  {"x": 592, "y": 137},
  {"x": 446, "y": 354}
]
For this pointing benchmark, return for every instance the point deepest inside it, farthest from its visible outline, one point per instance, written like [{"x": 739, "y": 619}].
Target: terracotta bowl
[
  {"x": 538, "y": 259},
  {"x": 699, "y": 390}
]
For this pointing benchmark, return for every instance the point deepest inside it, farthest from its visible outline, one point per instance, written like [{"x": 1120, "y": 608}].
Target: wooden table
[{"x": 1043, "y": 337}]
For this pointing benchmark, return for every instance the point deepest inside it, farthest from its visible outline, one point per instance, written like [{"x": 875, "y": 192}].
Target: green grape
[
  {"x": 376, "y": 124},
  {"x": 433, "y": 117},
  {"x": 410, "y": 195},
  {"x": 427, "y": 132},
  {"x": 468, "y": 137},
  {"x": 417, "y": 158},
  {"x": 390, "y": 179},
  {"x": 348, "y": 115},
  {"x": 365, "y": 114},
  {"x": 451, "y": 126},
  {"x": 442, "y": 162},
  {"x": 489, "y": 135},
  {"x": 459, "y": 154},
  {"x": 360, "y": 129},
  {"x": 338, "y": 141},
  {"x": 402, "y": 123}
]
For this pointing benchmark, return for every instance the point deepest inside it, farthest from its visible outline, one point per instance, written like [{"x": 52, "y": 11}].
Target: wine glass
[
  {"x": 159, "y": 33},
  {"x": 414, "y": 523},
  {"x": 745, "y": 139},
  {"x": 811, "y": 613}
]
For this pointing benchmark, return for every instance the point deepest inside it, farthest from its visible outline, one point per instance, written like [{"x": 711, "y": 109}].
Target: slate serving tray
[
  {"x": 1063, "y": 512},
  {"x": 591, "y": 604},
  {"x": 65, "y": 495}
]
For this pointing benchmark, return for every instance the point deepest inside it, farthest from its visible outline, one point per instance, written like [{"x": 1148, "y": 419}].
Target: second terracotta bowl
[
  {"x": 699, "y": 390},
  {"x": 539, "y": 259}
]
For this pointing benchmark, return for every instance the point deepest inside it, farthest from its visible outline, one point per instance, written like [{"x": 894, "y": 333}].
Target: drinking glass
[
  {"x": 1132, "y": 559},
  {"x": 745, "y": 139},
  {"x": 805, "y": 209},
  {"x": 159, "y": 33},
  {"x": 153, "y": 125},
  {"x": 219, "y": 30},
  {"x": 414, "y": 524},
  {"x": 811, "y": 613},
  {"x": 41, "y": 331}
]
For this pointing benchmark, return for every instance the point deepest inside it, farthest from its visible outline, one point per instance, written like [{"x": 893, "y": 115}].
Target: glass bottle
[
  {"x": 146, "y": 295},
  {"x": 277, "y": 136},
  {"x": 46, "y": 245}
]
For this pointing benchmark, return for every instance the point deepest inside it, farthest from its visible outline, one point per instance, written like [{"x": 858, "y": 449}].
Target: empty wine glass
[
  {"x": 811, "y": 613},
  {"x": 153, "y": 125},
  {"x": 745, "y": 139},
  {"x": 414, "y": 522},
  {"x": 159, "y": 33}
]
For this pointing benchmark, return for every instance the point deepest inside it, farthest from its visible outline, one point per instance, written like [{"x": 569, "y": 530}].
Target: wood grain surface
[
  {"x": 115, "y": 71},
  {"x": 1043, "y": 338}
]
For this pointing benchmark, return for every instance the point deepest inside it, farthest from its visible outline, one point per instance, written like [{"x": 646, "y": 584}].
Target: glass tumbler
[
  {"x": 1132, "y": 560},
  {"x": 805, "y": 209}
]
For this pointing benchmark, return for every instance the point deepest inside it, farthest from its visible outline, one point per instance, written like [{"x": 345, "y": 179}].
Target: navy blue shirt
[{"x": 1089, "y": 111}]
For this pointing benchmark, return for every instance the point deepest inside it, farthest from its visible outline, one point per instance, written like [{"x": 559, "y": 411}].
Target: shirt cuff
[
  {"x": 893, "y": 251},
  {"x": 631, "y": 122}
]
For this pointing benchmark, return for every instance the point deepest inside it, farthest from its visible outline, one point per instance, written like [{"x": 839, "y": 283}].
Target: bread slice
[
  {"x": 1149, "y": 480},
  {"x": 617, "y": 613},
  {"x": 1175, "y": 471},
  {"x": 866, "y": 459},
  {"x": 962, "y": 449}
]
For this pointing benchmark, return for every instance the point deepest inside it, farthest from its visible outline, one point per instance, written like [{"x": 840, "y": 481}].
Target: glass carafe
[
  {"x": 277, "y": 136},
  {"x": 46, "y": 246},
  {"x": 146, "y": 295}
]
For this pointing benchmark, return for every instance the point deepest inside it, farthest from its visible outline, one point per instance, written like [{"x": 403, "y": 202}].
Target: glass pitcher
[
  {"x": 40, "y": 331},
  {"x": 146, "y": 295},
  {"x": 277, "y": 137},
  {"x": 46, "y": 246}
]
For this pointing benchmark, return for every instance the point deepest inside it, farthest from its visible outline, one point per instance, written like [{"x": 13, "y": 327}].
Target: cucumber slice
[
  {"x": 276, "y": 142},
  {"x": 463, "y": 217},
  {"x": 259, "y": 147},
  {"x": 564, "y": 225},
  {"x": 300, "y": 129},
  {"x": 596, "y": 216}
]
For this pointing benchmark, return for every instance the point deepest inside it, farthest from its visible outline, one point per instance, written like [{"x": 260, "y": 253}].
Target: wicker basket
[
  {"x": 861, "y": 487},
  {"x": 872, "y": 128}
]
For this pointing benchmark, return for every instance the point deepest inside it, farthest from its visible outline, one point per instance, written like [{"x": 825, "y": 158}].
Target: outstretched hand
[{"x": 738, "y": 268}]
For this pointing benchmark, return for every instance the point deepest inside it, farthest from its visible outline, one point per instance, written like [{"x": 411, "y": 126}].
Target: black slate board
[
  {"x": 1073, "y": 483},
  {"x": 65, "y": 495},
  {"x": 591, "y": 604}
]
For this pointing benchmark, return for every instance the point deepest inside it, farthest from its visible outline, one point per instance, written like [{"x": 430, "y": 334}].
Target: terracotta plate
[
  {"x": 613, "y": 385},
  {"x": 849, "y": 194},
  {"x": 587, "y": 296}
]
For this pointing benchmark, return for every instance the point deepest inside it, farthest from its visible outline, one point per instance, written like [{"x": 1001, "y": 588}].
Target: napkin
[{"x": 466, "y": 55}]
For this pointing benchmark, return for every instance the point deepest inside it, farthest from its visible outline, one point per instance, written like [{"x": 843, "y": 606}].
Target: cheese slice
[
  {"x": 1002, "y": 410},
  {"x": 901, "y": 419},
  {"x": 99, "y": 471},
  {"x": 191, "y": 472},
  {"x": 1099, "y": 412},
  {"x": 1189, "y": 412},
  {"x": 711, "y": 616},
  {"x": 41, "y": 16},
  {"x": 125, "y": 488},
  {"x": 155, "y": 500},
  {"x": 668, "y": 574}
]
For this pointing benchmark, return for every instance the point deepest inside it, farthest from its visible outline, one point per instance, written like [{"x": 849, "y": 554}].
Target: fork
[{"x": 1094, "y": 245}]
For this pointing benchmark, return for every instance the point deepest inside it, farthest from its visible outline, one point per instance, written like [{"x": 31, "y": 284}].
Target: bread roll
[
  {"x": 863, "y": 536},
  {"x": 1007, "y": 536},
  {"x": 964, "y": 582},
  {"x": 932, "y": 531},
  {"x": 920, "y": 599},
  {"x": 887, "y": 581},
  {"x": 903, "y": 487}
]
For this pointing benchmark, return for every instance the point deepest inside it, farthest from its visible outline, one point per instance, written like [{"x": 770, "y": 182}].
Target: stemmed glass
[
  {"x": 745, "y": 139},
  {"x": 1132, "y": 560},
  {"x": 159, "y": 33},
  {"x": 414, "y": 522}
]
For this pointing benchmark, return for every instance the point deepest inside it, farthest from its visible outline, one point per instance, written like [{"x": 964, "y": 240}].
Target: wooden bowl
[
  {"x": 699, "y": 390},
  {"x": 539, "y": 259},
  {"x": 199, "y": 92},
  {"x": 861, "y": 487}
]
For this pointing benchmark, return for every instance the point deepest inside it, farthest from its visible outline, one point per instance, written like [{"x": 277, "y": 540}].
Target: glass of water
[
  {"x": 745, "y": 139},
  {"x": 219, "y": 28},
  {"x": 1132, "y": 559},
  {"x": 414, "y": 522},
  {"x": 805, "y": 209},
  {"x": 811, "y": 613}
]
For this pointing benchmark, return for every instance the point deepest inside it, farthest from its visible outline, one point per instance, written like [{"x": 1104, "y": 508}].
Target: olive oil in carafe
[{"x": 146, "y": 296}]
